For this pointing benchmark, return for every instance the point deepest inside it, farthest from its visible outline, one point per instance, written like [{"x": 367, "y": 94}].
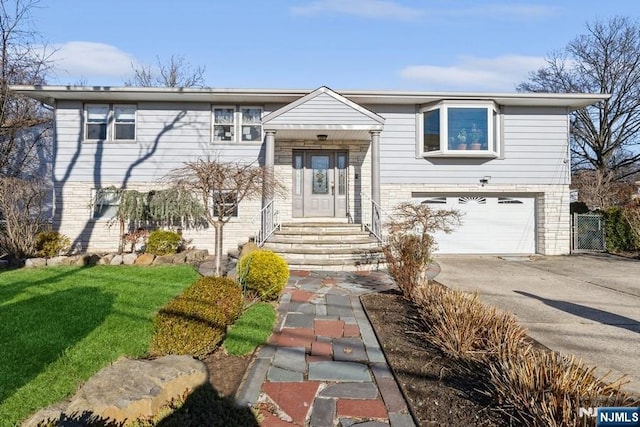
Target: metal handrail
[
  {"x": 376, "y": 225},
  {"x": 269, "y": 217}
]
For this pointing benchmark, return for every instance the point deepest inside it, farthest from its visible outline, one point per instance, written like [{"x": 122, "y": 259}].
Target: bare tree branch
[
  {"x": 176, "y": 72},
  {"x": 221, "y": 186},
  {"x": 605, "y": 60}
]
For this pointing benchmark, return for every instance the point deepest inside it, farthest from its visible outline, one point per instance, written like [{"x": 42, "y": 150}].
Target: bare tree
[
  {"x": 411, "y": 243},
  {"x": 176, "y": 72},
  {"x": 24, "y": 123},
  {"x": 605, "y": 60},
  {"x": 21, "y": 204},
  {"x": 599, "y": 190},
  {"x": 221, "y": 187}
]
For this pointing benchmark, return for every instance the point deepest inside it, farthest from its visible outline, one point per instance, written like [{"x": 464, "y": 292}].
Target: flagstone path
[{"x": 323, "y": 366}]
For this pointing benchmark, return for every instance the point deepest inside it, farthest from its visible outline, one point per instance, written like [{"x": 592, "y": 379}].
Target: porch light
[{"x": 322, "y": 137}]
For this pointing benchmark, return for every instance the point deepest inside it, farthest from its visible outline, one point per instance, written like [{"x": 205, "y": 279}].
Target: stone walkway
[{"x": 323, "y": 365}]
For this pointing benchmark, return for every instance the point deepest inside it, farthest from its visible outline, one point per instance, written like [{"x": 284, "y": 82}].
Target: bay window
[{"x": 458, "y": 129}]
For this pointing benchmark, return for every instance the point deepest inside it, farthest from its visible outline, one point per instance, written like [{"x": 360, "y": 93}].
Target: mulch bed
[
  {"x": 436, "y": 393},
  {"x": 226, "y": 371}
]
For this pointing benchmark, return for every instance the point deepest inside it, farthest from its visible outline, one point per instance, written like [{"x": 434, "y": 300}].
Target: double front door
[{"x": 320, "y": 183}]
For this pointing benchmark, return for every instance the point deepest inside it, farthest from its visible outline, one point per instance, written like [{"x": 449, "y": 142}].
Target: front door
[{"x": 320, "y": 184}]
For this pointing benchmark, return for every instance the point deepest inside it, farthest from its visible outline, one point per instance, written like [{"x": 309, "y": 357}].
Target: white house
[{"x": 345, "y": 157}]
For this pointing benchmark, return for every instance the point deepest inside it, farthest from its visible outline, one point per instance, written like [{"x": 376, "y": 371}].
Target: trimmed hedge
[
  {"x": 196, "y": 321},
  {"x": 264, "y": 272},
  {"x": 163, "y": 242}
]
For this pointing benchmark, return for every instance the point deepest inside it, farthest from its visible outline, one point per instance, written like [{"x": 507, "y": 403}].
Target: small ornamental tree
[
  {"x": 411, "y": 242},
  {"x": 162, "y": 208},
  {"x": 222, "y": 186}
]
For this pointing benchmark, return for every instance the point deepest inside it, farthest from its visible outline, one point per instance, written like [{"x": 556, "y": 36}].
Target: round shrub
[
  {"x": 264, "y": 272},
  {"x": 163, "y": 242},
  {"x": 195, "y": 322},
  {"x": 51, "y": 243}
]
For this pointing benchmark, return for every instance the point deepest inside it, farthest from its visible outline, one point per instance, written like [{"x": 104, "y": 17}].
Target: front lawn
[{"x": 60, "y": 325}]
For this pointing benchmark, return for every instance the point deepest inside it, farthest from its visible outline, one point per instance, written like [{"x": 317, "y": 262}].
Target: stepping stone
[
  {"x": 349, "y": 350},
  {"x": 291, "y": 359},
  {"x": 351, "y": 391},
  {"x": 276, "y": 374},
  {"x": 339, "y": 305},
  {"x": 323, "y": 413},
  {"x": 361, "y": 408},
  {"x": 302, "y": 307},
  {"x": 401, "y": 420},
  {"x": 339, "y": 371},
  {"x": 299, "y": 406},
  {"x": 298, "y": 320},
  {"x": 329, "y": 328}
]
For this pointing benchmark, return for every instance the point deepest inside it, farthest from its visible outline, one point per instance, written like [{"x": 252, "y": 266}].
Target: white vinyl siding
[
  {"x": 167, "y": 135},
  {"x": 534, "y": 150}
]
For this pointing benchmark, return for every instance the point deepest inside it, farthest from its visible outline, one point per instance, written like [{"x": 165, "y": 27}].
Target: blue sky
[{"x": 430, "y": 45}]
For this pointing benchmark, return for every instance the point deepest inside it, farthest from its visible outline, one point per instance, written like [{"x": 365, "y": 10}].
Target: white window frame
[
  {"x": 87, "y": 122},
  {"x": 110, "y": 122},
  {"x": 493, "y": 130},
  {"x": 97, "y": 212},
  {"x": 116, "y": 123},
  {"x": 242, "y": 124},
  {"x": 237, "y": 126},
  {"x": 233, "y": 123}
]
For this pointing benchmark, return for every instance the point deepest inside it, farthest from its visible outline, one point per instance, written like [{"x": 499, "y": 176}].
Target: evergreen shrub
[
  {"x": 264, "y": 272},
  {"x": 163, "y": 242},
  {"x": 51, "y": 243},
  {"x": 196, "y": 321}
]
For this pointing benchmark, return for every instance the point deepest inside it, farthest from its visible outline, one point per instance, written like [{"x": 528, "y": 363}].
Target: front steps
[{"x": 327, "y": 246}]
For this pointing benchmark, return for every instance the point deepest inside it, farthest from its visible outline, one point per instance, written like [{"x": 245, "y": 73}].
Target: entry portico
[{"x": 319, "y": 144}]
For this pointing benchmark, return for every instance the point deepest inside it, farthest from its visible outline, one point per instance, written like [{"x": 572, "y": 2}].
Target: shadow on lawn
[
  {"x": 36, "y": 331},
  {"x": 9, "y": 289}
]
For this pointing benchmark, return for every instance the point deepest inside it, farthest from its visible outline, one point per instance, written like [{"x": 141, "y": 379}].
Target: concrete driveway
[{"x": 586, "y": 305}]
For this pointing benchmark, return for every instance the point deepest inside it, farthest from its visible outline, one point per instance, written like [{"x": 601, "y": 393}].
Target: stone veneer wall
[
  {"x": 553, "y": 221},
  {"x": 73, "y": 218}
]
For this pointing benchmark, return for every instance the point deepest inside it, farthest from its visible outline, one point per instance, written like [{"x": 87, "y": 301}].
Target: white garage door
[{"x": 490, "y": 225}]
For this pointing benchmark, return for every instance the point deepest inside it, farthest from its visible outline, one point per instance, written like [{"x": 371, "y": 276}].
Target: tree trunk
[
  {"x": 218, "y": 247},
  {"x": 121, "y": 243}
]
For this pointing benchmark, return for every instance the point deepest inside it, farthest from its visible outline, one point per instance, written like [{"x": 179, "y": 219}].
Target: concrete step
[
  {"x": 326, "y": 246},
  {"x": 320, "y": 227},
  {"x": 276, "y": 243}
]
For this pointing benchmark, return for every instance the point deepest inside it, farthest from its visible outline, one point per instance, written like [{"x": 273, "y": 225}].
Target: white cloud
[
  {"x": 90, "y": 61},
  {"x": 380, "y": 9},
  {"x": 500, "y": 74}
]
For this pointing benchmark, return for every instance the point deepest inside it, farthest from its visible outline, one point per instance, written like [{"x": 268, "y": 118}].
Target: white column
[
  {"x": 375, "y": 166},
  {"x": 269, "y": 161}
]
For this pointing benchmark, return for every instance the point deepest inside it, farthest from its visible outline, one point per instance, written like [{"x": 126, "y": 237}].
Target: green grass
[
  {"x": 251, "y": 329},
  {"x": 60, "y": 325}
]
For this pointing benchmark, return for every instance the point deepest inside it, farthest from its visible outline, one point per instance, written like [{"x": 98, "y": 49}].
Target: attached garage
[{"x": 501, "y": 224}]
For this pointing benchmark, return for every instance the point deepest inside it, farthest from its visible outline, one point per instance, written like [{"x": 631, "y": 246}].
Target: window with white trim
[
  {"x": 97, "y": 121},
  {"x": 105, "y": 203},
  {"x": 231, "y": 121},
  {"x": 452, "y": 128},
  {"x": 97, "y": 118},
  {"x": 225, "y": 204},
  {"x": 124, "y": 122}
]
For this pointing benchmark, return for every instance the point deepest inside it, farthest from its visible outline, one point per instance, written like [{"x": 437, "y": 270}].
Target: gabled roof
[{"x": 344, "y": 111}]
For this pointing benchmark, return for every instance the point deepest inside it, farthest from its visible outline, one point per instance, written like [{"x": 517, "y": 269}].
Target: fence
[{"x": 588, "y": 233}]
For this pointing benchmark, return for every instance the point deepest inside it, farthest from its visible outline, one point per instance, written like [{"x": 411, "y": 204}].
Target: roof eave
[{"x": 49, "y": 94}]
